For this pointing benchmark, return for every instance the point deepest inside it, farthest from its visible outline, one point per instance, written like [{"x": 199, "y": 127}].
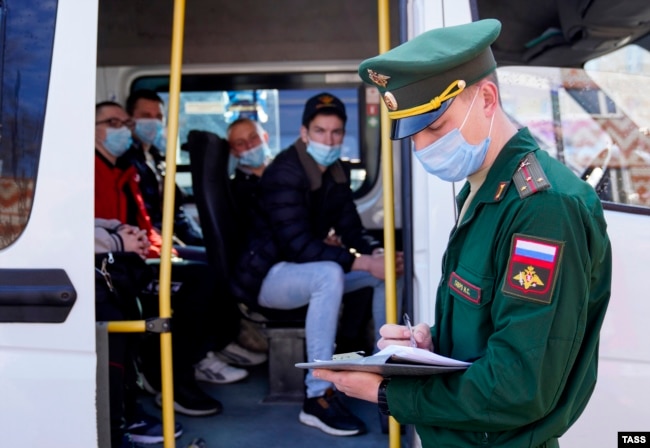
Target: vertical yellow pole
[
  {"x": 168, "y": 222},
  {"x": 389, "y": 207}
]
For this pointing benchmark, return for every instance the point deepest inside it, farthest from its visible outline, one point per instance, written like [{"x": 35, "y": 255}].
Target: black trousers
[
  {"x": 122, "y": 373},
  {"x": 203, "y": 319}
]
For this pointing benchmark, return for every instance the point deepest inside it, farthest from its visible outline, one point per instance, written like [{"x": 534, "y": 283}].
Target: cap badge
[
  {"x": 391, "y": 102},
  {"x": 378, "y": 78},
  {"x": 325, "y": 101}
]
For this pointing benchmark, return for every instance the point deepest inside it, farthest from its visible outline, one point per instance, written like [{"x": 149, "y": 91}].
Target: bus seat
[{"x": 217, "y": 213}]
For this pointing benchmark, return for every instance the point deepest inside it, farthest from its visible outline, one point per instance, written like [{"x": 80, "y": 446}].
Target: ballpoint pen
[{"x": 407, "y": 321}]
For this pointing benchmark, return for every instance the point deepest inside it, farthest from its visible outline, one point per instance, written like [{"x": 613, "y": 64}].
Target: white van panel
[
  {"x": 620, "y": 401},
  {"x": 627, "y": 316},
  {"x": 47, "y": 371}
]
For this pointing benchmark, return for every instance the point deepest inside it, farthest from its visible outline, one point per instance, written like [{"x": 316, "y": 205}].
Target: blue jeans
[{"x": 320, "y": 284}]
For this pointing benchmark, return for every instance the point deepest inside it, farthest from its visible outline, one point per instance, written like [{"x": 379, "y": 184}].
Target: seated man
[
  {"x": 248, "y": 143},
  {"x": 196, "y": 312},
  {"x": 148, "y": 156},
  {"x": 307, "y": 246}
]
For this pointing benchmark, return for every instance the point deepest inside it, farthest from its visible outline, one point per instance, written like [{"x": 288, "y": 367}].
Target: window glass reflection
[{"x": 26, "y": 39}]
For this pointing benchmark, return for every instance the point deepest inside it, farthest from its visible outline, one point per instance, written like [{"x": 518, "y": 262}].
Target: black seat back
[
  {"x": 219, "y": 218},
  {"x": 214, "y": 203}
]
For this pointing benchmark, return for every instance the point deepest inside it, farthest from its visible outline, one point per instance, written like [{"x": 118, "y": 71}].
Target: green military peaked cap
[{"x": 419, "y": 79}]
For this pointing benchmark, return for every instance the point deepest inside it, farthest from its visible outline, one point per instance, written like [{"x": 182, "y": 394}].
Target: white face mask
[
  {"x": 324, "y": 154},
  {"x": 151, "y": 131},
  {"x": 117, "y": 140},
  {"x": 255, "y": 157},
  {"x": 450, "y": 157}
]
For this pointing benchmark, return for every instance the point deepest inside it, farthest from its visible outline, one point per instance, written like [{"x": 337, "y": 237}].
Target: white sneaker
[
  {"x": 235, "y": 354},
  {"x": 213, "y": 370}
]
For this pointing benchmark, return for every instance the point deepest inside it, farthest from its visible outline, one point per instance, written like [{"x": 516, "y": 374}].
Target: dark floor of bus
[{"x": 248, "y": 422}]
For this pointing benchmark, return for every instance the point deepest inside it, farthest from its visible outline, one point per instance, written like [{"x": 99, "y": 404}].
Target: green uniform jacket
[{"x": 524, "y": 290}]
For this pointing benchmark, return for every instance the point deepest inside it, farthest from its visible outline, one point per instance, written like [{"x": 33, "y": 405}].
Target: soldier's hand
[{"x": 392, "y": 334}]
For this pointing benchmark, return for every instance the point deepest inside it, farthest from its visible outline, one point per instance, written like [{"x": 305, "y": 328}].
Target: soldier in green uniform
[{"x": 527, "y": 271}]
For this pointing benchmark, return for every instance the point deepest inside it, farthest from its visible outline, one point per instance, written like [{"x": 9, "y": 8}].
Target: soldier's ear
[{"x": 490, "y": 94}]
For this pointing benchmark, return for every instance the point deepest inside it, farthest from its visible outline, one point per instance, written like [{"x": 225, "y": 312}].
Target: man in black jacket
[
  {"x": 307, "y": 246},
  {"x": 146, "y": 108}
]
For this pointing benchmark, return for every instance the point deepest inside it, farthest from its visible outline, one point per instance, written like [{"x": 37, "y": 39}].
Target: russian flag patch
[{"x": 532, "y": 268}]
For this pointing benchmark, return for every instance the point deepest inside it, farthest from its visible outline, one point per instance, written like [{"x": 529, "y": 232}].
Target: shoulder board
[{"x": 529, "y": 177}]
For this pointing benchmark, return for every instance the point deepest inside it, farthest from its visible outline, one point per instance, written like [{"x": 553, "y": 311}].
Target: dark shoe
[
  {"x": 149, "y": 429},
  {"x": 190, "y": 399},
  {"x": 127, "y": 442},
  {"x": 329, "y": 414}
]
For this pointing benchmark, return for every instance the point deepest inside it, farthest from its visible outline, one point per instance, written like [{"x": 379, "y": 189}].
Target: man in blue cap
[
  {"x": 307, "y": 247},
  {"x": 527, "y": 272}
]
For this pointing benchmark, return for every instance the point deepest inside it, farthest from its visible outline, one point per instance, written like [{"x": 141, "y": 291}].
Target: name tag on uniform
[{"x": 465, "y": 288}]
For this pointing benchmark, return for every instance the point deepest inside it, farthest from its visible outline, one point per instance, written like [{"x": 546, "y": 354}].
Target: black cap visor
[{"x": 406, "y": 127}]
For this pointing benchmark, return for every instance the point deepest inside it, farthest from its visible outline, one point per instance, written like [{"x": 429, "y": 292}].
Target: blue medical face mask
[
  {"x": 151, "y": 131},
  {"x": 117, "y": 140},
  {"x": 323, "y": 154},
  {"x": 254, "y": 157},
  {"x": 451, "y": 158}
]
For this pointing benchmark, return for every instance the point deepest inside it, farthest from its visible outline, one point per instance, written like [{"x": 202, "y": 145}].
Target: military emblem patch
[{"x": 532, "y": 268}]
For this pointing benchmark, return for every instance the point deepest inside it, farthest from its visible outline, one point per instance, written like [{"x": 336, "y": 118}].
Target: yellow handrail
[
  {"x": 168, "y": 222},
  {"x": 383, "y": 21},
  {"x": 126, "y": 326}
]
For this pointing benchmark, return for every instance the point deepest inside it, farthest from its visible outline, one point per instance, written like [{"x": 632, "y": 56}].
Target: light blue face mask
[
  {"x": 450, "y": 157},
  {"x": 324, "y": 154},
  {"x": 151, "y": 131},
  {"x": 254, "y": 157},
  {"x": 117, "y": 140}
]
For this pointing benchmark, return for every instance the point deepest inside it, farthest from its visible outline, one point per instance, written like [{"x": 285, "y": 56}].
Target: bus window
[
  {"x": 592, "y": 120},
  {"x": 24, "y": 79},
  {"x": 279, "y": 110}
]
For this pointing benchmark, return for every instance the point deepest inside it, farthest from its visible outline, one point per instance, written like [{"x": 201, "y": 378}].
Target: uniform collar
[
  {"x": 500, "y": 174},
  {"x": 499, "y": 177}
]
